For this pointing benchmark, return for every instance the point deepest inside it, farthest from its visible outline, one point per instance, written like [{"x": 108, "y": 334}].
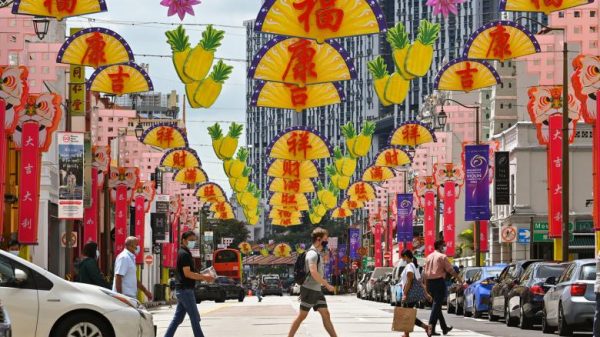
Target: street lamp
[
  {"x": 565, "y": 135},
  {"x": 139, "y": 130},
  {"x": 41, "y": 25},
  {"x": 442, "y": 118}
]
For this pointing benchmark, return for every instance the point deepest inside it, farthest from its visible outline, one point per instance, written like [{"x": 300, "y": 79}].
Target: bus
[{"x": 228, "y": 262}]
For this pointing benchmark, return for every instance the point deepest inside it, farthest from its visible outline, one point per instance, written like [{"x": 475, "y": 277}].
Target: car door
[
  {"x": 19, "y": 298},
  {"x": 497, "y": 294},
  {"x": 518, "y": 288},
  {"x": 564, "y": 282},
  {"x": 469, "y": 292}
]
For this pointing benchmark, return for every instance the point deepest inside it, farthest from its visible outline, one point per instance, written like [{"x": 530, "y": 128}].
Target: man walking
[
  {"x": 126, "y": 281},
  {"x": 436, "y": 268},
  {"x": 256, "y": 286},
  {"x": 311, "y": 296},
  {"x": 186, "y": 278}
]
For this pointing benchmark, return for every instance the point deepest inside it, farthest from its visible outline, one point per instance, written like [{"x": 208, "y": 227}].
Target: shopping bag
[{"x": 404, "y": 319}]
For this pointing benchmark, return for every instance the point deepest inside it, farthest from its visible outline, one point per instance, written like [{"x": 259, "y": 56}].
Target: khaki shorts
[{"x": 311, "y": 299}]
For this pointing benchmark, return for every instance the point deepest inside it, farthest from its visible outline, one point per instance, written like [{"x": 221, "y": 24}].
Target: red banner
[
  {"x": 140, "y": 214},
  {"x": 175, "y": 230},
  {"x": 29, "y": 186},
  {"x": 2, "y": 161},
  {"x": 378, "y": 249},
  {"x": 429, "y": 222},
  {"x": 483, "y": 236},
  {"x": 449, "y": 217},
  {"x": 120, "y": 218},
  {"x": 555, "y": 155},
  {"x": 90, "y": 214},
  {"x": 390, "y": 241},
  {"x": 169, "y": 251}
]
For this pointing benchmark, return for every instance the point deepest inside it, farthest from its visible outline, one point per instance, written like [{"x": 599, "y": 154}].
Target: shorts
[{"x": 311, "y": 299}]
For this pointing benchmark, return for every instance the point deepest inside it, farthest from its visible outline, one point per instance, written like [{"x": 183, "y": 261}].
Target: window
[
  {"x": 12, "y": 23},
  {"x": 592, "y": 29},
  {"x": 45, "y": 70},
  {"x": 45, "y": 56},
  {"x": 593, "y": 44},
  {"x": 588, "y": 272},
  {"x": 567, "y": 274},
  {"x": 32, "y": 83},
  {"x": 501, "y": 105},
  {"x": 561, "y": 14},
  {"x": 577, "y": 30},
  {"x": 592, "y": 14},
  {"x": 536, "y": 62},
  {"x": 577, "y": 14},
  {"x": 32, "y": 70},
  {"x": 13, "y": 59}
]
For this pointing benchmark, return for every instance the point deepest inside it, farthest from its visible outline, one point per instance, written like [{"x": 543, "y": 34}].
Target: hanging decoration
[
  {"x": 478, "y": 176},
  {"x": 338, "y": 180},
  {"x": 545, "y": 6},
  {"x": 412, "y": 134},
  {"x": 142, "y": 198},
  {"x": 222, "y": 210},
  {"x": 328, "y": 197},
  {"x": 425, "y": 190},
  {"x": 292, "y": 170},
  {"x": 95, "y": 47},
  {"x": 361, "y": 192},
  {"x": 501, "y": 41},
  {"x": 180, "y": 158},
  {"x": 225, "y": 146},
  {"x": 301, "y": 62},
  {"x": 358, "y": 144},
  {"x": 190, "y": 176},
  {"x": 300, "y": 248},
  {"x": 449, "y": 179},
  {"x": 294, "y": 186},
  {"x": 300, "y": 144},
  {"x": 120, "y": 79},
  {"x": 101, "y": 162},
  {"x": 466, "y": 75},
  {"x": 210, "y": 193},
  {"x": 58, "y": 9},
  {"x": 175, "y": 211},
  {"x": 377, "y": 236},
  {"x": 286, "y": 222},
  {"x": 164, "y": 136},
  {"x": 180, "y": 7},
  {"x": 378, "y": 174},
  {"x": 292, "y": 97},
  {"x": 341, "y": 213},
  {"x": 122, "y": 182},
  {"x": 281, "y": 213},
  {"x": 444, "y": 7},
  {"x": 249, "y": 199},
  {"x": 419, "y": 55},
  {"x": 404, "y": 220},
  {"x": 352, "y": 205},
  {"x": 147, "y": 191},
  {"x": 392, "y": 157},
  {"x": 317, "y": 211},
  {"x": 245, "y": 248},
  {"x": 320, "y": 20},
  {"x": 193, "y": 65},
  {"x": 295, "y": 202}
]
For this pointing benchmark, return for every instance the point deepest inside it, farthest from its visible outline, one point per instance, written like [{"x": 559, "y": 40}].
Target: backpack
[{"x": 300, "y": 270}]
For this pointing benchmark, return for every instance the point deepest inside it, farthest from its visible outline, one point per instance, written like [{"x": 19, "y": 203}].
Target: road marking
[{"x": 213, "y": 309}]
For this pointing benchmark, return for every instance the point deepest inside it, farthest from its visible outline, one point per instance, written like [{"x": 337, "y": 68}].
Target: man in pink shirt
[{"x": 437, "y": 267}]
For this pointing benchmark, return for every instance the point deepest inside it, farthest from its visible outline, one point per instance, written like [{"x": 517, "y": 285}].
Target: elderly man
[{"x": 126, "y": 281}]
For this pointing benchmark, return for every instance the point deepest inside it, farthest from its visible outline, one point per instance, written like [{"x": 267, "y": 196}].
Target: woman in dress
[{"x": 410, "y": 278}]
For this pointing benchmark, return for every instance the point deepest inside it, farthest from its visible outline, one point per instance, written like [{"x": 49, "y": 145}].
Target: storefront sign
[{"x": 71, "y": 166}]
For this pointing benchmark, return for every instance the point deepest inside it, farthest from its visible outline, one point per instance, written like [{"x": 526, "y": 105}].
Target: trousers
[
  {"x": 186, "y": 304},
  {"x": 438, "y": 291}
]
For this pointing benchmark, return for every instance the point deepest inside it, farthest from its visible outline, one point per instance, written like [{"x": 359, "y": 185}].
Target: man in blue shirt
[{"x": 126, "y": 281}]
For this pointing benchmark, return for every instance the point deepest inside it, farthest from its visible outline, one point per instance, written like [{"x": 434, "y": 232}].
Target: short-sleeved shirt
[
  {"x": 437, "y": 266},
  {"x": 312, "y": 257},
  {"x": 184, "y": 259},
  {"x": 125, "y": 266},
  {"x": 410, "y": 268}
]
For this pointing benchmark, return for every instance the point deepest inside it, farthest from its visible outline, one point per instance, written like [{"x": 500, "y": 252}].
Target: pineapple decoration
[
  {"x": 193, "y": 65},
  {"x": 410, "y": 60}
]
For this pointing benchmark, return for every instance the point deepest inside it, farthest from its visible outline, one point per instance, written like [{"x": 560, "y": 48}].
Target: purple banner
[
  {"x": 354, "y": 234},
  {"x": 477, "y": 182},
  {"x": 341, "y": 254},
  {"x": 404, "y": 227},
  {"x": 328, "y": 267}
]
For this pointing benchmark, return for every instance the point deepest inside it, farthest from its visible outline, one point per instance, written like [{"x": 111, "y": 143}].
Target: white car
[{"x": 42, "y": 304}]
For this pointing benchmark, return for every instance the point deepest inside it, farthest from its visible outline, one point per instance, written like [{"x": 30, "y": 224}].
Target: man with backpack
[{"x": 308, "y": 272}]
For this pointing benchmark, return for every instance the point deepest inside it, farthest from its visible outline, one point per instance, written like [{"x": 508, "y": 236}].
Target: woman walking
[
  {"x": 413, "y": 290},
  {"x": 88, "y": 268}
]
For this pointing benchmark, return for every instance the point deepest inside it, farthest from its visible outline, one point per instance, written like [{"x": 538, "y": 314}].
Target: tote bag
[{"x": 404, "y": 319}]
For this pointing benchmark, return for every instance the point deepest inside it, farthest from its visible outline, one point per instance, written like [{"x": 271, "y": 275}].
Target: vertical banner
[
  {"x": 450, "y": 217},
  {"x": 429, "y": 223},
  {"x": 390, "y": 240},
  {"x": 483, "y": 236},
  {"x": 140, "y": 214},
  {"x": 596, "y": 158},
  {"x": 477, "y": 181},
  {"x": 70, "y": 165},
  {"x": 29, "y": 184},
  {"x": 378, "y": 249},
  {"x": 2, "y": 161},
  {"x": 501, "y": 178},
  {"x": 175, "y": 229},
  {"x": 555, "y": 155},
  {"x": 90, "y": 214},
  {"x": 169, "y": 255},
  {"x": 354, "y": 235},
  {"x": 120, "y": 218},
  {"x": 404, "y": 228},
  {"x": 76, "y": 87},
  {"x": 341, "y": 256},
  {"x": 88, "y": 187}
]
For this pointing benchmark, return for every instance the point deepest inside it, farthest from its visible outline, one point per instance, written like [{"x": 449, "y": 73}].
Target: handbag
[
  {"x": 416, "y": 293},
  {"x": 404, "y": 319}
]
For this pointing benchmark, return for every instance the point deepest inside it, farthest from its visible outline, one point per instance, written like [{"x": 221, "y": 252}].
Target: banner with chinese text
[
  {"x": 429, "y": 223},
  {"x": 555, "y": 155},
  {"x": 29, "y": 185},
  {"x": 121, "y": 205},
  {"x": 90, "y": 214},
  {"x": 450, "y": 217},
  {"x": 377, "y": 231},
  {"x": 140, "y": 214}
]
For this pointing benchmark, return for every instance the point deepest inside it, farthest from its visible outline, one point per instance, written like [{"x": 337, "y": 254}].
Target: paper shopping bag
[{"x": 404, "y": 319}]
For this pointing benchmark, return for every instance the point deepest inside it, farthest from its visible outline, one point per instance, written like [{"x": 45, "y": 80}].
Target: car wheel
[
  {"x": 508, "y": 320},
  {"x": 545, "y": 327},
  {"x": 241, "y": 297},
  {"x": 466, "y": 312},
  {"x": 82, "y": 325},
  {"x": 563, "y": 327},
  {"x": 491, "y": 316},
  {"x": 476, "y": 313},
  {"x": 459, "y": 308},
  {"x": 524, "y": 322},
  {"x": 450, "y": 308}
]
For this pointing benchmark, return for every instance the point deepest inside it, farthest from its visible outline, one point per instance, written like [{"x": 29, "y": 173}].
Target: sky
[{"x": 147, "y": 38}]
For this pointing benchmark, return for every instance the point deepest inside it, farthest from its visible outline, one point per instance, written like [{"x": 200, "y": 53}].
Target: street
[{"x": 351, "y": 317}]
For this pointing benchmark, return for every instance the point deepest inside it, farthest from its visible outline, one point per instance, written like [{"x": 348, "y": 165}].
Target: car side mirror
[{"x": 20, "y": 276}]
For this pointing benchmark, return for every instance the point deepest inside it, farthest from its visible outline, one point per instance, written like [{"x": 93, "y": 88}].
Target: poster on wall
[{"x": 71, "y": 165}]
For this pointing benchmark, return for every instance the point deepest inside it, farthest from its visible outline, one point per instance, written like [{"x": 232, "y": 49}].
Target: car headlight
[{"x": 124, "y": 299}]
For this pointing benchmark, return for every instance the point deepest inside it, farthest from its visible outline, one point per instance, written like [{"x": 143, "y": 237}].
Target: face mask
[
  {"x": 97, "y": 253},
  {"x": 191, "y": 244},
  {"x": 324, "y": 244},
  {"x": 137, "y": 250},
  {"x": 443, "y": 250},
  {"x": 14, "y": 252}
]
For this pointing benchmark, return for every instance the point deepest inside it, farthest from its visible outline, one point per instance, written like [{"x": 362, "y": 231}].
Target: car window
[
  {"x": 7, "y": 275},
  {"x": 546, "y": 271},
  {"x": 510, "y": 273},
  {"x": 475, "y": 276},
  {"x": 588, "y": 272},
  {"x": 527, "y": 275},
  {"x": 492, "y": 272},
  {"x": 470, "y": 274},
  {"x": 566, "y": 275}
]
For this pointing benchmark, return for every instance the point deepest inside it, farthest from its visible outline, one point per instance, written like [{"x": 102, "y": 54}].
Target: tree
[{"x": 230, "y": 229}]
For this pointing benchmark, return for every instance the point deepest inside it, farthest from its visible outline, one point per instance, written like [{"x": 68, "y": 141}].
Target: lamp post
[
  {"x": 565, "y": 139},
  {"x": 40, "y": 26}
]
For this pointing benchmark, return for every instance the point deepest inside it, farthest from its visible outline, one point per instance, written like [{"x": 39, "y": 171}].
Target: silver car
[{"x": 570, "y": 302}]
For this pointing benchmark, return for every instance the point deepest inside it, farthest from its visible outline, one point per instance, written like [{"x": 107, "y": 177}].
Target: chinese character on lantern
[
  {"x": 299, "y": 142},
  {"x": 466, "y": 76},
  {"x": 291, "y": 169},
  {"x": 301, "y": 61},
  {"x": 499, "y": 44},
  {"x": 165, "y": 136},
  {"x": 411, "y": 133},
  {"x": 291, "y": 185},
  {"x": 391, "y": 157},
  {"x": 118, "y": 81},
  {"x": 179, "y": 159},
  {"x": 299, "y": 96},
  {"x": 94, "y": 53},
  {"x": 62, "y": 6},
  {"x": 377, "y": 172},
  {"x": 190, "y": 175},
  {"x": 327, "y": 17},
  {"x": 288, "y": 199},
  {"x": 209, "y": 191}
]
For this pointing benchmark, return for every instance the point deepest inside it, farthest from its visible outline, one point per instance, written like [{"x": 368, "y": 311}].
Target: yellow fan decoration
[
  {"x": 413, "y": 134},
  {"x": 58, "y": 9},
  {"x": 290, "y": 169},
  {"x": 286, "y": 201},
  {"x": 359, "y": 144},
  {"x": 292, "y": 186},
  {"x": 361, "y": 192},
  {"x": 340, "y": 213},
  {"x": 320, "y": 20},
  {"x": 95, "y": 47},
  {"x": 292, "y": 97},
  {"x": 466, "y": 75},
  {"x": 164, "y": 136},
  {"x": 210, "y": 193},
  {"x": 301, "y": 62},
  {"x": 282, "y": 250},
  {"x": 544, "y": 6},
  {"x": 181, "y": 157},
  {"x": 221, "y": 207},
  {"x": 392, "y": 156},
  {"x": 502, "y": 41},
  {"x": 191, "y": 176},
  {"x": 224, "y": 216},
  {"x": 120, "y": 79},
  {"x": 299, "y": 143},
  {"x": 245, "y": 248},
  {"x": 277, "y": 213},
  {"x": 286, "y": 222},
  {"x": 352, "y": 204},
  {"x": 378, "y": 174}
]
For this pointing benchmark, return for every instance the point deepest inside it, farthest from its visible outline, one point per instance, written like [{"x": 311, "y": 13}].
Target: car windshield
[
  {"x": 470, "y": 273},
  {"x": 492, "y": 272},
  {"x": 588, "y": 272},
  {"x": 271, "y": 281},
  {"x": 546, "y": 271}
]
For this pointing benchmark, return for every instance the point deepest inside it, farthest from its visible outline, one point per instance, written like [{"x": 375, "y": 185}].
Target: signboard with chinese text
[{"x": 71, "y": 165}]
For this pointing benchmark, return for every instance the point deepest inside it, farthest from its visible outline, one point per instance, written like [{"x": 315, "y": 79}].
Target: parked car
[
  {"x": 272, "y": 286},
  {"x": 382, "y": 288},
  {"x": 476, "y": 297},
  {"x": 5, "y": 328},
  {"x": 396, "y": 288},
  {"x": 569, "y": 303},
  {"x": 361, "y": 289},
  {"x": 42, "y": 304},
  {"x": 377, "y": 273},
  {"x": 224, "y": 288},
  {"x": 456, "y": 290},
  {"x": 526, "y": 299},
  {"x": 503, "y": 285}
]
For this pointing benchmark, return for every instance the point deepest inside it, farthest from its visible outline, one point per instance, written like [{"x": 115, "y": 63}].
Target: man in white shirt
[{"x": 126, "y": 281}]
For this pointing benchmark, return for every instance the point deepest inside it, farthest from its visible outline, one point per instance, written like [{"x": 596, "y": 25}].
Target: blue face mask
[{"x": 191, "y": 244}]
